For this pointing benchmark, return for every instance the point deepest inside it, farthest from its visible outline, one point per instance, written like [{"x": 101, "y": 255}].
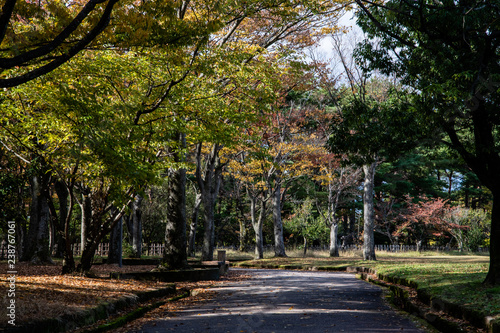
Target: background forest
[{"x": 203, "y": 123}]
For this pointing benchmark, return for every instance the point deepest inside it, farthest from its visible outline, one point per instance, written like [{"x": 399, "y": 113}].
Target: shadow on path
[{"x": 290, "y": 301}]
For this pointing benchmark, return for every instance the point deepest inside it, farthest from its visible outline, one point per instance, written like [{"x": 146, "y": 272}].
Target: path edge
[{"x": 398, "y": 287}]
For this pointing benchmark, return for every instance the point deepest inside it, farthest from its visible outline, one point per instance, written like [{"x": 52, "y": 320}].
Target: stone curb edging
[
  {"x": 474, "y": 317},
  {"x": 90, "y": 316},
  {"x": 137, "y": 313}
]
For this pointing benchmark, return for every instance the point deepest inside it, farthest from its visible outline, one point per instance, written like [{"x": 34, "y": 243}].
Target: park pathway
[{"x": 290, "y": 301}]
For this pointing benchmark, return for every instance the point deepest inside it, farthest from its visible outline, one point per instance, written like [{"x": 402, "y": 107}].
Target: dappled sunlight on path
[{"x": 290, "y": 301}]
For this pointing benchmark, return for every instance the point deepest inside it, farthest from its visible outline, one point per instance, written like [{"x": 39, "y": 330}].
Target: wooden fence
[
  {"x": 385, "y": 248},
  {"x": 156, "y": 250},
  {"x": 153, "y": 250}
]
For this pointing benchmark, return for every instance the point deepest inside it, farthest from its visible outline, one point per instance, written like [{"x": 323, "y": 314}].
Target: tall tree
[
  {"x": 209, "y": 184},
  {"x": 175, "y": 255},
  {"x": 339, "y": 180},
  {"x": 449, "y": 51},
  {"x": 333, "y": 174},
  {"x": 247, "y": 169},
  {"x": 369, "y": 130},
  {"x": 256, "y": 30}
]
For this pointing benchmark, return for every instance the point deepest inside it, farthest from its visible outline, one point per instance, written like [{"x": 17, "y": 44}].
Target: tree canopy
[
  {"x": 111, "y": 108},
  {"x": 449, "y": 52}
]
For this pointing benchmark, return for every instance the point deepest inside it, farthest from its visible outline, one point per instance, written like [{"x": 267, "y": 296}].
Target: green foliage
[
  {"x": 456, "y": 79},
  {"x": 412, "y": 173},
  {"x": 376, "y": 125},
  {"x": 449, "y": 52},
  {"x": 127, "y": 250},
  {"x": 305, "y": 223},
  {"x": 474, "y": 227},
  {"x": 14, "y": 192}
]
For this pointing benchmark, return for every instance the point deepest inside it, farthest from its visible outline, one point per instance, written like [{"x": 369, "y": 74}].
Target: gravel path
[{"x": 290, "y": 301}]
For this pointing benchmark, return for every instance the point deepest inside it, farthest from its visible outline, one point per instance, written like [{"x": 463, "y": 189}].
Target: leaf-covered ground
[{"x": 42, "y": 292}]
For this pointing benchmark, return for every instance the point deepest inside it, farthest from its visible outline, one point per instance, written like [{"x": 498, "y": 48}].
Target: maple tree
[
  {"x": 265, "y": 27},
  {"x": 153, "y": 104},
  {"x": 28, "y": 143},
  {"x": 288, "y": 152},
  {"x": 333, "y": 172},
  {"x": 247, "y": 170},
  {"x": 234, "y": 107},
  {"x": 38, "y": 36},
  {"x": 75, "y": 154},
  {"x": 425, "y": 218},
  {"x": 281, "y": 152}
]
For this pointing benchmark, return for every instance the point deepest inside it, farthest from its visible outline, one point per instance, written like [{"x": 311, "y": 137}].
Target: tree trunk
[
  {"x": 62, "y": 195},
  {"x": 419, "y": 245},
  {"x": 86, "y": 210},
  {"x": 175, "y": 254},
  {"x": 259, "y": 241},
  {"x": 305, "y": 247},
  {"x": 63, "y": 238},
  {"x": 279, "y": 243},
  {"x": 207, "y": 251},
  {"x": 209, "y": 185},
  {"x": 243, "y": 235},
  {"x": 115, "y": 244},
  {"x": 352, "y": 221},
  {"x": 493, "y": 276},
  {"x": 101, "y": 220},
  {"x": 175, "y": 247},
  {"x": 460, "y": 244},
  {"x": 37, "y": 242},
  {"x": 193, "y": 226},
  {"x": 87, "y": 256},
  {"x": 134, "y": 226},
  {"x": 98, "y": 228},
  {"x": 334, "y": 242},
  {"x": 52, "y": 229},
  {"x": 68, "y": 264},
  {"x": 368, "y": 212},
  {"x": 257, "y": 226}
]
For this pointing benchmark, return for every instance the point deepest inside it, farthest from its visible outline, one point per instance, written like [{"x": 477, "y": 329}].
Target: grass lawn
[{"x": 454, "y": 277}]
